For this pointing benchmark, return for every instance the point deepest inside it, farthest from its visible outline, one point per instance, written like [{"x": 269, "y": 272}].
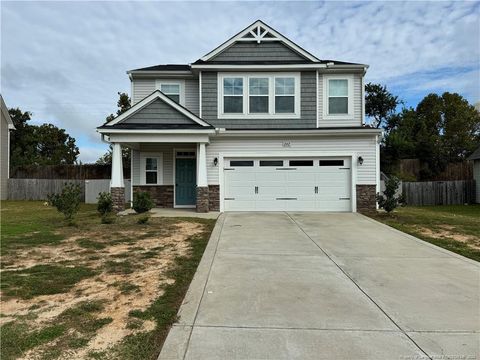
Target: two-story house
[{"x": 257, "y": 124}]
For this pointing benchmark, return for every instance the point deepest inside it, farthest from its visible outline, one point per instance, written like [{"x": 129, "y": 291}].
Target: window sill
[{"x": 259, "y": 116}]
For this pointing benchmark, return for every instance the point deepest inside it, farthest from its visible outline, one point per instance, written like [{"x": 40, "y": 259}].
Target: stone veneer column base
[
  {"x": 213, "y": 197},
  {"x": 118, "y": 198},
  {"x": 366, "y": 198},
  {"x": 202, "y": 199}
]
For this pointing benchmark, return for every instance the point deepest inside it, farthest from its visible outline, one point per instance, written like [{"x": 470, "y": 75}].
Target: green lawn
[
  {"x": 453, "y": 227},
  {"x": 59, "y": 282}
]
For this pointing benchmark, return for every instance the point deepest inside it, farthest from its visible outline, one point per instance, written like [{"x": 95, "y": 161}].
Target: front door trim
[{"x": 175, "y": 150}]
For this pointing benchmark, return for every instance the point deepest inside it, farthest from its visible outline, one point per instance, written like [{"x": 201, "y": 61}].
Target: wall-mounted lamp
[
  {"x": 360, "y": 160},
  {"x": 215, "y": 161}
]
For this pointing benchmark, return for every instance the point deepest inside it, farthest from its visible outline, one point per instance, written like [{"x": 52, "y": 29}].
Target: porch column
[
  {"x": 117, "y": 185},
  {"x": 202, "y": 185}
]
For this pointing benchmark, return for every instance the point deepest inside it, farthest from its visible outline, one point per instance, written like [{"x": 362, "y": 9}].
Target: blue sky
[{"x": 66, "y": 61}]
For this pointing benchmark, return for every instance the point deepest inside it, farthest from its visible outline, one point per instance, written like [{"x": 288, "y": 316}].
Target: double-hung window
[
  {"x": 338, "y": 96},
  {"x": 233, "y": 95},
  {"x": 151, "y": 169},
  {"x": 174, "y": 89},
  {"x": 258, "y": 95},
  {"x": 284, "y": 95}
]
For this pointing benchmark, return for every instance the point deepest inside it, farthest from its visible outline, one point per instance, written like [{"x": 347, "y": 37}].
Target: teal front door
[{"x": 185, "y": 182}]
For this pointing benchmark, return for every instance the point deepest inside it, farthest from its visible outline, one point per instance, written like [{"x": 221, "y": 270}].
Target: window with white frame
[
  {"x": 284, "y": 95},
  {"x": 233, "y": 95},
  {"x": 259, "y": 95},
  {"x": 338, "y": 98},
  {"x": 174, "y": 89},
  {"x": 151, "y": 169}
]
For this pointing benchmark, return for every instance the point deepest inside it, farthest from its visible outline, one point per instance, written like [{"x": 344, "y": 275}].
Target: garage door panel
[{"x": 301, "y": 188}]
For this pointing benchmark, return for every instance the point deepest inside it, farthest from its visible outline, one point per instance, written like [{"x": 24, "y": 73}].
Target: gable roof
[
  {"x": 6, "y": 114},
  {"x": 259, "y": 32},
  {"x": 157, "y": 94},
  {"x": 475, "y": 155},
  {"x": 165, "y": 67}
]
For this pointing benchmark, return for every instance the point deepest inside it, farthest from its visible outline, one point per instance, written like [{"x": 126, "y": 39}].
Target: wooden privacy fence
[
  {"x": 67, "y": 172},
  {"x": 439, "y": 192},
  {"x": 38, "y": 189}
]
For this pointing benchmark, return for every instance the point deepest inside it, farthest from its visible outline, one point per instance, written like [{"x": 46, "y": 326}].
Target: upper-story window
[
  {"x": 233, "y": 95},
  {"x": 338, "y": 96},
  {"x": 174, "y": 89},
  {"x": 259, "y": 95}
]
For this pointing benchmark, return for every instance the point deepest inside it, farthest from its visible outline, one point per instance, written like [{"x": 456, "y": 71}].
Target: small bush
[
  {"x": 108, "y": 218},
  {"x": 68, "y": 201},
  {"x": 143, "y": 219},
  {"x": 105, "y": 203},
  {"x": 388, "y": 201},
  {"x": 142, "y": 202}
]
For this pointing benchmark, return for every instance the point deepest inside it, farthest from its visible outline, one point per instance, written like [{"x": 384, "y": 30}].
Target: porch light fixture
[
  {"x": 215, "y": 161},
  {"x": 360, "y": 160}
]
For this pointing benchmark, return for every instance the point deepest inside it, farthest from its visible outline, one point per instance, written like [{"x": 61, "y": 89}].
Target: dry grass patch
[{"x": 73, "y": 298}]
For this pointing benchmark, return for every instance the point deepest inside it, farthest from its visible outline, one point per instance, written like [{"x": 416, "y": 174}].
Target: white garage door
[{"x": 316, "y": 184}]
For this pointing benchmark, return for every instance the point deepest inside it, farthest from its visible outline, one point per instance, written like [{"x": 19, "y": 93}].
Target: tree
[
  {"x": 389, "y": 201},
  {"x": 39, "y": 145},
  {"x": 123, "y": 105},
  {"x": 440, "y": 130},
  {"x": 380, "y": 104}
]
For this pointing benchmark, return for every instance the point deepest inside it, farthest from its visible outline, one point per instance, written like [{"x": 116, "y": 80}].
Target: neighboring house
[
  {"x": 258, "y": 123},
  {"x": 475, "y": 157},
  {"x": 6, "y": 126}
]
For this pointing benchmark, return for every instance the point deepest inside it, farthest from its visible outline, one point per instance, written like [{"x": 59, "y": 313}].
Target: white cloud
[{"x": 65, "y": 61}]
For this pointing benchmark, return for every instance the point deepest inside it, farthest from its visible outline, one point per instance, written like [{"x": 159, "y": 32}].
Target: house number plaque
[{"x": 286, "y": 144}]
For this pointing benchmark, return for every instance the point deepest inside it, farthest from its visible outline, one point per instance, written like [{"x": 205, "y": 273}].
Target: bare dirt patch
[
  {"x": 448, "y": 231},
  {"x": 130, "y": 277}
]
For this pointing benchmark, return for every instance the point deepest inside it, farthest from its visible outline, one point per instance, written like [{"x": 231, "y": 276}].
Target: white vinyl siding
[
  {"x": 364, "y": 146},
  {"x": 340, "y": 121},
  {"x": 167, "y": 160}
]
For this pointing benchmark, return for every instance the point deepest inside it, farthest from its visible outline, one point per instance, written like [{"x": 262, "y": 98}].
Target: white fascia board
[
  {"x": 6, "y": 114},
  {"x": 149, "y": 73},
  {"x": 312, "y": 132},
  {"x": 156, "y": 131},
  {"x": 244, "y": 32},
  {"x": 258, "y": 67},
  {"x": 153, "y": 96},
  {"x": 157, "y": 138}
]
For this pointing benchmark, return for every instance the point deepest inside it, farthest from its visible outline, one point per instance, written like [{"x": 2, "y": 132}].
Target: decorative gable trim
[
  {"x": 259, "y": 31},
  {"x": 157, "y": 94}
]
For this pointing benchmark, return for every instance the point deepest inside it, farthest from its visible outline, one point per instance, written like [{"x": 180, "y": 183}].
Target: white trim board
[
  {"x": 254, "y": 30},
  {"x": 157, "y": 94}
]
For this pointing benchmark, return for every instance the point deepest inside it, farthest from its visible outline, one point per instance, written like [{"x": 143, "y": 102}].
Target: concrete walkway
[{"x": 326, "y": 286}]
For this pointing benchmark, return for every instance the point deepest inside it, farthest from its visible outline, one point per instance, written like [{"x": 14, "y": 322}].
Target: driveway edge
[
  {"x": 425, "y": 243},
  {"x": 176, "y": 343}
]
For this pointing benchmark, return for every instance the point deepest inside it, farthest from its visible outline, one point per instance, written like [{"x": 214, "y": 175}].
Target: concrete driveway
[{"x": 326, "y": 286}]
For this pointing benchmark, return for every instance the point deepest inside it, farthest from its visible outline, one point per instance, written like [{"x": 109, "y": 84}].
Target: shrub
[
  {"x": 142, "y": 202},
  {"x": 105, "y": 203},
  {"x": 388, "y": 201},
  {"x": 143, "y": 219},
  {"x": 68, "y": 201}
]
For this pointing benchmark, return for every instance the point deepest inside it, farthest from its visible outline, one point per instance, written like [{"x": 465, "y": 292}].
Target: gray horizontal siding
[
  {"x": 158, "y": 112},
  {"x": 191, "y": 96},
  {"x": 141, "y": 88},
  {"x": 252, "y": 51},
  {"x": 308, "y": 104}
]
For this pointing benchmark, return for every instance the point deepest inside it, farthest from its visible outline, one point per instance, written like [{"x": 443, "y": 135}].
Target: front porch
[
  {"x": 174, "y": 174},
  {"x": 184, "y": 213}
]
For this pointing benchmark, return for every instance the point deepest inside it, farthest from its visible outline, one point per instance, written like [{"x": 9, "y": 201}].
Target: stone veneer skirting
[
  {"x": 213, "y": 197},
  {"x": 202, "y": 199},
  {"x": 118, "y": 198},
  {"x": 162, "y": 195},
  {"x": 366, "y": 198}
]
